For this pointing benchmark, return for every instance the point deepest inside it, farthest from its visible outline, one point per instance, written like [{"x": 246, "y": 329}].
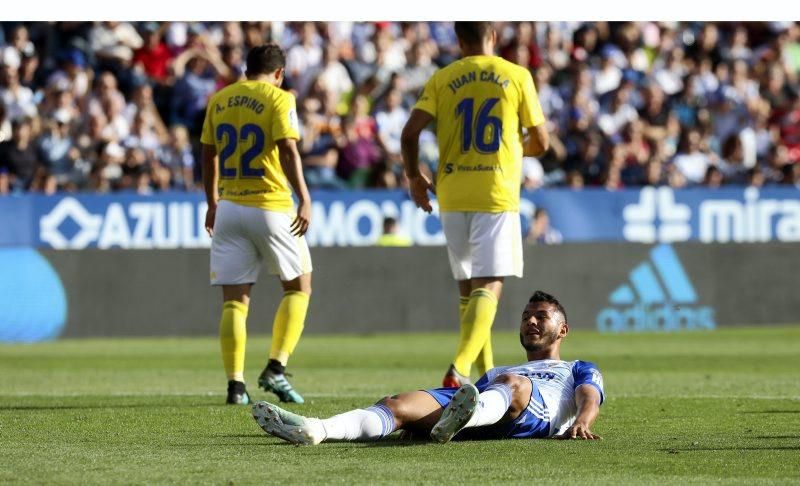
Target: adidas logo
[{"x": 659, "y": 297}]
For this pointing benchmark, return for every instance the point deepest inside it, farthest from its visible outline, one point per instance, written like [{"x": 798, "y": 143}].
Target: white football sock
[
  {"x": 492, "y": 405},
  {"x": 372, "y": 423}
]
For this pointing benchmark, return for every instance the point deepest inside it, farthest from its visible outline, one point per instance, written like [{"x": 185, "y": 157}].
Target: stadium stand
[{"x": 118, "y": 106}]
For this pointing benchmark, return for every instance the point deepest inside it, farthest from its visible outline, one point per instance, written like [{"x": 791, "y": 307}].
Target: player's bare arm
[
  {"x": 419, "y": 185},
  {"x": 210, "y": 181},
  {"x": 292, "y": 167},
  {"x": 587, "y": 398},
  {"x": 537, "y": 142}
]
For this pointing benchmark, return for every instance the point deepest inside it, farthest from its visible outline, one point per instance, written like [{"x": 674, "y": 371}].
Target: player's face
[{"x": 540, "y": 326}]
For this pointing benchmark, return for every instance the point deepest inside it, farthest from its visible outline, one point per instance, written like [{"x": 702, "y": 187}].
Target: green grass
[{"x": 680, "y": 408}]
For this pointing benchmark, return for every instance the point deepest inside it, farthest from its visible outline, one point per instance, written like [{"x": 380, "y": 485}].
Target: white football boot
[
  {"x": 288, "y": 426},
  {"x": 457, "y": 413}
]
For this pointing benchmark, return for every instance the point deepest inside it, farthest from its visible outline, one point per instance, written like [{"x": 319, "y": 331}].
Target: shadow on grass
[
  {"x": 675, "y": 450},
  {"x": 777, "y": 436},
  {"x": 241, "y": 436},
  {"x": 771, "y": 411},
  {"x": 99, "y": 407}
]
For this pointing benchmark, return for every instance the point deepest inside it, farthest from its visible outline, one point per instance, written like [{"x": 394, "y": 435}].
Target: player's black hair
[
  {"x": 540, "y": 296},
  {"x": 473, "y": 33},
  {"x": 388, "y": 222},
  {"x": 265, "y": 59}
]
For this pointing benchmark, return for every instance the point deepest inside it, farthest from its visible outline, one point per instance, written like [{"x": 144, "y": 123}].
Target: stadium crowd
[{"x": 118, "y": 106}]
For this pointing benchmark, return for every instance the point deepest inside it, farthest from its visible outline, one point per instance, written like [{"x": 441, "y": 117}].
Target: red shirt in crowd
[{"x": 154, "y": 60}]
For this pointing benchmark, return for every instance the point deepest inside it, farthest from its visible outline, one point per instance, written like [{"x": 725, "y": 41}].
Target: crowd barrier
[
  {"x": 354, "y": 218},
  {"x": 47, "y": 293}
]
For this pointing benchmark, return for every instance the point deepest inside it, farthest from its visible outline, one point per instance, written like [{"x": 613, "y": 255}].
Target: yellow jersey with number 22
[{"x": 244, "y": 121}]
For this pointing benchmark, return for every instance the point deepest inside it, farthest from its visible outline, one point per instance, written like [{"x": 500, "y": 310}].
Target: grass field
[{"x": 680, "y": 408}]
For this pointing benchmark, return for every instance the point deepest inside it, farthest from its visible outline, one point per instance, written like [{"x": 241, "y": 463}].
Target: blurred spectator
[
  {"x": 19, "y": 100},
  {"x": 177, "y": 157},
  {"x": 359, "y": 152},
  {"x": 575, "y": 180},
  {"x": 153, "y": 57},
  {"x": 540, "y": 232},
  {"x": 391, "y": 234},
  {"x": 690, "y": 160},
  {"x": 18, "y": 158},
  {"x": 72, "y": 75},
  {"x": 303, "y": 59},
  {"x": 5, "y": 123},
  {"x": 62, "y": 165},
  {"x": 196, "y": 71},
  {"x": 618, "y": 114},
  {"x": 390, "y": 121},
  {"x": 334, "y": 75},
  {"x": 713, "y": 178},
  {"x": 755, "y": 177},
  {"x": 791, "y": 175},
  {"x": 627, "y": 103},
  {"x": 113, "y": 43},
  {"x": 532, "y": 173}
]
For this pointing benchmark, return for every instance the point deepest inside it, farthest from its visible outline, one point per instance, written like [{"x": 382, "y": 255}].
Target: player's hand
[
  {"x": 419, "y": 186},
  {"x": 211, "y": 216},
  {"x": 302, "y": 220},
  {"x": 578, "y": 431}
]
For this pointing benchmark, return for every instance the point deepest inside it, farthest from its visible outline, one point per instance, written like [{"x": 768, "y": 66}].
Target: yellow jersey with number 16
[
  {"x": 481, "y": 104},
  {"x": 244, "y": 121}
]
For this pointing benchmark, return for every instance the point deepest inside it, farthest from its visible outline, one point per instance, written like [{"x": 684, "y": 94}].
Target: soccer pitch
[{"x": 680, "y": 408}]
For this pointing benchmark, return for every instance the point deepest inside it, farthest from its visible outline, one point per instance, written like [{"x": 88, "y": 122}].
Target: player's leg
[
  {"x": 233, "y": 339},
  {"x": 503, "y": 400},
  {"x": 495, "y": 252},
  {"x": 456, "y": 230},
  {"x": 288, "y": 257},
  {"x": 416, "y": 411},
  {"x": 234, "y": 266},
  {"x": 478, "y": 319},
  {"x": 290, "y": 318},
  {"x": 454, "y": 379},
  {"x": 286, "y": 330},
  {"x": 485, "y": 360}
]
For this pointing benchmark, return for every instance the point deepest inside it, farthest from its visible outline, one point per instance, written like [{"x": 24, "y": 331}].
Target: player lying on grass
[{"x": 545, "y": 397}]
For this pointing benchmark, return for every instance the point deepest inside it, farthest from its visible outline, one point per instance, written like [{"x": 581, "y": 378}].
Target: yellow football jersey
[
  {"x": 243, "y": 121},
  {"x": 481, "y": 104}
]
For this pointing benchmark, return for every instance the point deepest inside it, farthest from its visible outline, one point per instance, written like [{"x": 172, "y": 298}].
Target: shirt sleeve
[
  {"x": 530, "y": 110},
  {"x": 285, "y": 123},
  {"x": 427, "y": 99},
  {"x": 207, "y": 136},
  {"x": 587, "y": 373}
]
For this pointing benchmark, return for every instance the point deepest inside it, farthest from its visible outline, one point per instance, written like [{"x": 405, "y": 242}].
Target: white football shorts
[
  {"x": 245, "y": 237},
  {"x": 483, "y": 244}
]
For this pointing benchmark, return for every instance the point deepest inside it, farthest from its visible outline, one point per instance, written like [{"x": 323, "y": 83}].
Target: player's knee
[
  {"x": 393, "y": 404},
  {"x": 520, "y": 388},
  {"x": 513, "y": 381}
]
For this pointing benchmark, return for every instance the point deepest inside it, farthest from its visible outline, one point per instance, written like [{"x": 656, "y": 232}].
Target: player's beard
[{"x": 545, "y": 340}]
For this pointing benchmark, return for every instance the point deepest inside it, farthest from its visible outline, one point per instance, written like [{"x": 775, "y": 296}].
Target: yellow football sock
[
  {"x": 233, "y": 338},
  {"x": 463, "y": 302},
  {"x": 476, "y": 326},
  {"x": 485, "y": 360},
  {"x": 288, "y": 325}
]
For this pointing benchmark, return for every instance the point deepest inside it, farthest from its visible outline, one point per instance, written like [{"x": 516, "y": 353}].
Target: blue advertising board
[{"x": 354, "y": 218}]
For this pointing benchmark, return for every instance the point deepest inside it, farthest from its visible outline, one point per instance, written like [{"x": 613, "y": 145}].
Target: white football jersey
[{"x": 556, "y": 381}]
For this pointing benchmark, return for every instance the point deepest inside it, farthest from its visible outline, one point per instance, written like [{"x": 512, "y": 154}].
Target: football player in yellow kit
[
  {"x": 480, "y": 104},
  {"x": 250, "y": 159}
]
